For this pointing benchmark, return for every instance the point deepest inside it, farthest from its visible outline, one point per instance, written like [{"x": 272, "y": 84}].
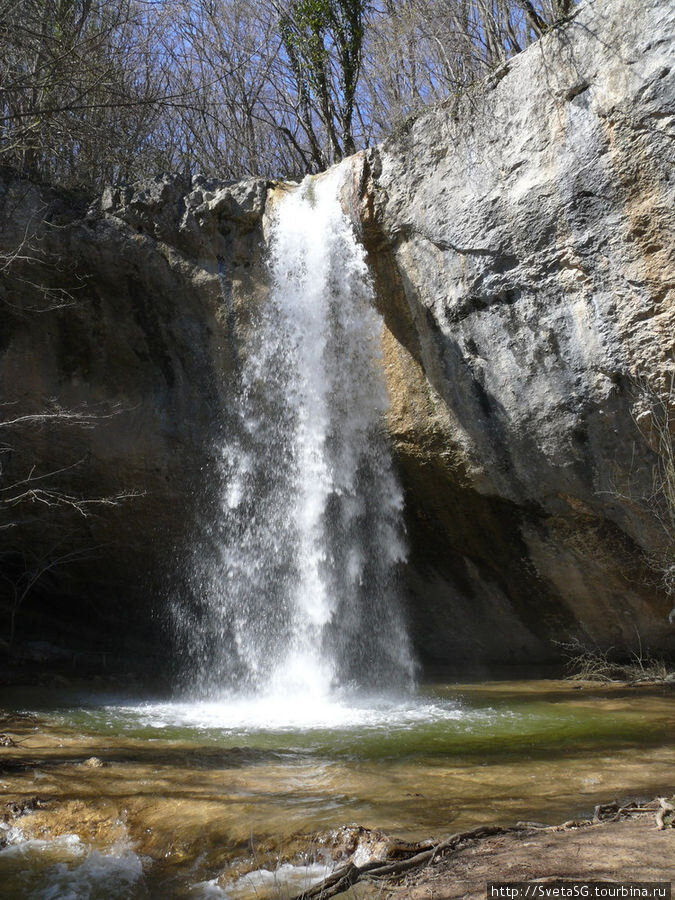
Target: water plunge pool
[{"x": 189, "y": 792}]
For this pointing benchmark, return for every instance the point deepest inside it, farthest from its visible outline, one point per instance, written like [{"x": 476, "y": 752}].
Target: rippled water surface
[{"x": 199, "y": 794}]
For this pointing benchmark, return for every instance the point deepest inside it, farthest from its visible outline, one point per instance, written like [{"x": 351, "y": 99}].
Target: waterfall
[{"x": 299, "y": 592}]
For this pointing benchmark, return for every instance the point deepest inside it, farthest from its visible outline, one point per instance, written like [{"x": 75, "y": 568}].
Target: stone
[
  {"x": 522, "y": 242},
  {"x": 130, "y": 318}
]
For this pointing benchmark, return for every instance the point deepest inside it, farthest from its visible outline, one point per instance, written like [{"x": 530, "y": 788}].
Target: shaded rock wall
[
  {"x": 125, "y": 314},
  {"x": 522, "y": 243}
]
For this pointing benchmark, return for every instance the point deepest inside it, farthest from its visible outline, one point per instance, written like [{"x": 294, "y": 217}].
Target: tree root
[
  {"x": 424, "y": 854},
  {"x": 347, "y": 876}
]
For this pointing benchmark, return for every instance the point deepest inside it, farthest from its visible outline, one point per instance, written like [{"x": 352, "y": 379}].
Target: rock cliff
[
  {"x": 119, "y": 346},
  {"x": 521, "y": 243}
]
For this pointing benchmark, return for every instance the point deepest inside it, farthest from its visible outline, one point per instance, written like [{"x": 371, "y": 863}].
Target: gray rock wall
[
  {"x": 126, "y": 314},
  {"x": 522, "y": 240}
]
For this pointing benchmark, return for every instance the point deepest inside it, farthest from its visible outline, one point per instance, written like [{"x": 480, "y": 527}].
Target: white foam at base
[
  {"x": 295, "y": 712},
  {"x": 285, "y": 881}
]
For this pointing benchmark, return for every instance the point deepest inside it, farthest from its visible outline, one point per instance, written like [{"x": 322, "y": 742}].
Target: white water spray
[{"x": 302, "y": 598}]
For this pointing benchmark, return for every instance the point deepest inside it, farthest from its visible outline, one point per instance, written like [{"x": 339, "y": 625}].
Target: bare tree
[
  {"x": 96, "y": 91},
  {"x": 420, "y": 51},
  {"x": 656, "y": 421},
  {"x": 36, "y": 506}
]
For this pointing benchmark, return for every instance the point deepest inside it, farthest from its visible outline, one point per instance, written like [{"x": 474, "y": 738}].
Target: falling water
[{"x": 300, "y": 591}]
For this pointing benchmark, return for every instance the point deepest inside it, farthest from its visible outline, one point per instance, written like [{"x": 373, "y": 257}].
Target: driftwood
[
  {"x": 346, "y": 876},
  {"x": 612, "y": 812}
]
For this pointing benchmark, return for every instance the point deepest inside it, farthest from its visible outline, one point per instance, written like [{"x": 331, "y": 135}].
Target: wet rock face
[
  {"x": 522, "y": 243},
  {"x": 125, "y": 315}
]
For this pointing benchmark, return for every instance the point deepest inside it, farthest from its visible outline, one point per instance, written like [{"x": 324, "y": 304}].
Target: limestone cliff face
[
  {"x": 120, "y": 322},
  {"x": 522, "y": 243}
]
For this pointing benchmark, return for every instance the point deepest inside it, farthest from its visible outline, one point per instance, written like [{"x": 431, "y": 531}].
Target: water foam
[
  {"x": 299, "y": 590},
  {"x": 66, "y": 868},
  {"x": 246, "y": 714},
  {"x": 286, "y": 880}
]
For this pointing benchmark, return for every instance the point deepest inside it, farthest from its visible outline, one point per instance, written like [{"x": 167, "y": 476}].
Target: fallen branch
[
  {"x": 347, "y": 876},
  {"x": 612, "y": 812}
]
